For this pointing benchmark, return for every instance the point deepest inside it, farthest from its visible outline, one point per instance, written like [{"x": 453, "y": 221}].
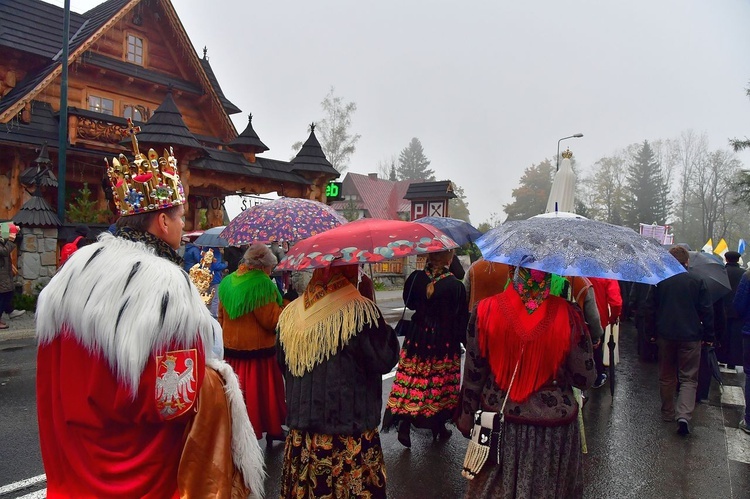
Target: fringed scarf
[
  {"x": 245, "y": 290},
  {"x": 504, "y": 325},
  {"x": 318, "y": 324}
]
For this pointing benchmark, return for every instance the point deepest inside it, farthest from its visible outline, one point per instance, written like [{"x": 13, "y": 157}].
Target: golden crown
[
  {"x": 567, "y": 154},
  {"x": 148, "y": 183}
]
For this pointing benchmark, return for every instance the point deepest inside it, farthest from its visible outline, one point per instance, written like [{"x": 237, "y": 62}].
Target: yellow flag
[
  {"x": 721, "y": 248},
  {"x": 708, "y": 247}
]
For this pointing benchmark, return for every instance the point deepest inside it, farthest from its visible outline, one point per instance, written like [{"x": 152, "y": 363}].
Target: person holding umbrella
[
  {"x": 683, "y": 319},
  {"x": 333, "y": 348},
  {"x": 425, "y": 391},
  {"x": 528, "y": 348}
]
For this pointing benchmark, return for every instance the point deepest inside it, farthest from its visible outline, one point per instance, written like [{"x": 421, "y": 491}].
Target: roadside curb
[{"x": 16, "y": 334}]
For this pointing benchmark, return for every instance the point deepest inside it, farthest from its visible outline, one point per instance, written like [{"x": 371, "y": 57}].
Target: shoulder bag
[
  {"x": 486, "y": 436},
  {"x": 403, "y": 326}
]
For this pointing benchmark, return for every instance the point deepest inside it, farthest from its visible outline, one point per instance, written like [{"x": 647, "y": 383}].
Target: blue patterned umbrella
[
  {"x": 579, "y": 247},
  {"x": 460, "y": 231}
]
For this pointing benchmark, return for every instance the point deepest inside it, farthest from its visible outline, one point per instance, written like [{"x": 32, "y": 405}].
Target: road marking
[
  {"x": 23, "y": 484},
  {"x": 39, "y": 494},
  {"x": 732, "y": 395}
]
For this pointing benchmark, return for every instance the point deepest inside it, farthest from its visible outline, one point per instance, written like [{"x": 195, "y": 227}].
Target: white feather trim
[
  {"x": 246, "y": 452},
  {"x": 91, "y": 291}
]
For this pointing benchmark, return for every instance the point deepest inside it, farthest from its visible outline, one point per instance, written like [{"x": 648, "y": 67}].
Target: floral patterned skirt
[
  {"x": 425, "y": 391},
  {"x": 333, "y": 466}
]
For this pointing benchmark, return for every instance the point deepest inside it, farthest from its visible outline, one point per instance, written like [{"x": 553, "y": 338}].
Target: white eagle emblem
[{"x": 175, "y": 382}]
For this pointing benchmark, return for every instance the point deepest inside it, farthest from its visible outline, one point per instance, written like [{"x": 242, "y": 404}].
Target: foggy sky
[{"x": 488, "y": 87}]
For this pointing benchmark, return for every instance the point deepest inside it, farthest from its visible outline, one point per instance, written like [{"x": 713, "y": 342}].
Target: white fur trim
[
  {"x": 89, "y": 291},
  {"x": 246, "y": 452}
]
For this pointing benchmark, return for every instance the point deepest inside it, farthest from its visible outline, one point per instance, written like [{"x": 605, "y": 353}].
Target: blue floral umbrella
[
  {"x": 579, "y": 247},
  {"x": 460, "y": 231}
]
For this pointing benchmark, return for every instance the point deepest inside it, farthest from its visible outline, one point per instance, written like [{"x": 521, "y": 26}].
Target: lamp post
[
  {"x": 576, "y": 136},
  {"x": 63, "y": 126}
]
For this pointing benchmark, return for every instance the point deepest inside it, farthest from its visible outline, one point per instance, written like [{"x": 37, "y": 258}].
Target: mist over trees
[
  {"x": 681, "y": 182},
  {"x": 333, "y": 131}
]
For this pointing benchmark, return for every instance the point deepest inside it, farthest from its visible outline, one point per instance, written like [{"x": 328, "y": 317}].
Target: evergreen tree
[
  {"x": 530, "y": 197},
  {"x": 412, "y": 163},
  {"x": 647, "y": 197},
  {"x": 84, "y": 209}
]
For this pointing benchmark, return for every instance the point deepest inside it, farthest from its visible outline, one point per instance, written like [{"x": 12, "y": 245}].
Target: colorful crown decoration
[
  {"x": 148, "y": 183},
  {"x": 567, "y": 154}
]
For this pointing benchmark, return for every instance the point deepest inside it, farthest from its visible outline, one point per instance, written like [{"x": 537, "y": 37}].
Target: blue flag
[{"x": 741, "y": 246}]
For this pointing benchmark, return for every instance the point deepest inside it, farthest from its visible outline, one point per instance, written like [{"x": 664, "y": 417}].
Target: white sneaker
[{"x": 16, "y": 313}]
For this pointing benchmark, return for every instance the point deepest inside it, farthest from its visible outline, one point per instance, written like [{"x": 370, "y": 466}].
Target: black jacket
[
  {"x": 682, "y": 309},
  {"x": 343, "y": 395}
]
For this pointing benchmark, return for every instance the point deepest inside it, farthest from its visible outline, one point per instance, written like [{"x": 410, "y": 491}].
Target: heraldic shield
[{"x": 176, "y": 382}]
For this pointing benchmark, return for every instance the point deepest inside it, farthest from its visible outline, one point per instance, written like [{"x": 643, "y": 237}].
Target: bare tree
[{"x": 333, "y": 131}]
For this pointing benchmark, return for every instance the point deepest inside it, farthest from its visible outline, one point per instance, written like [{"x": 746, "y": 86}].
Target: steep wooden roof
[
  {"x": 20, "y": 28},
  {"x": 248, "y": 140},
  {"x": 311, "y": 157},
  {"x": 430, "y": 190},
  {"x": 166, "y": 127}
]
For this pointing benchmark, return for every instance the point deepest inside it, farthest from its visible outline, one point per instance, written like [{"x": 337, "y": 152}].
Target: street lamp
[{"x": 576, "y": 136}]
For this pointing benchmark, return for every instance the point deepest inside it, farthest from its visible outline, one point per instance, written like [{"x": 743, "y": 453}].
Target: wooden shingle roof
[
  {"x": 21, "y": 29},
  {"x": 430, "y": 190},
  {"x": 228, "y": 106},
  {"x": 311, "y": 157},
  {"x": 235, "y": 163},
  {"x": 166, "y": 127},
  {"x": 248, "y": 140},
  {"x": 36, "y": 212}
]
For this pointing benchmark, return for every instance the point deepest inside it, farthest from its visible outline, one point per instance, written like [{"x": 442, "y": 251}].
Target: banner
[
  {"x": 741, "y": 246},
  {"x": 708, "y": 247},
  {"x": 721, "y": 248}
]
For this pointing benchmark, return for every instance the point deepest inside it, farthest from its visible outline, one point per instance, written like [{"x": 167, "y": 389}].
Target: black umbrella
[
  {"x": 611, "y": 344},
  {"x": 713, "y": 362},
  {"x": 711, "y": 269}
]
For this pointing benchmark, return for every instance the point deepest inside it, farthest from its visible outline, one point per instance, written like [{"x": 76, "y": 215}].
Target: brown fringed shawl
[
  {"x": 319, "y": 323},
  {"x": 504, "y": 326}
]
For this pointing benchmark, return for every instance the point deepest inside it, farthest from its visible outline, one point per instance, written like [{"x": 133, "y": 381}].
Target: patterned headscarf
[{"x": 533, "y": 286}]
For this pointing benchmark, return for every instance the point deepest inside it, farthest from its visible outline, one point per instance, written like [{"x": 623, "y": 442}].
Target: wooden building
[{"x": 130, "y": 59}]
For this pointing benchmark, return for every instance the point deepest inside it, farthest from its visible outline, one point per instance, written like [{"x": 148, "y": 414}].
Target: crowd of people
[{"x": 145, "y": 390}]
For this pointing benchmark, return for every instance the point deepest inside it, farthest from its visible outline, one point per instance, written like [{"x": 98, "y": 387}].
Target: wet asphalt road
[{"x": 631, "y": 452}]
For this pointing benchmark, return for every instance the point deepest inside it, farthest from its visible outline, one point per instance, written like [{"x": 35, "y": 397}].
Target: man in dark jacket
[
  {"x": 742, "y": 306},
  {"x": 683, "y": 317},
  {"x": 730, "y": 350}
]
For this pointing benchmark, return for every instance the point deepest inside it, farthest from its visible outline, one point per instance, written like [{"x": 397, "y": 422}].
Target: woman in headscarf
[
  {"x": 334, "y": 348},
  {"x": 546, "y": 339},
  {"x": 425, "y": 391},
  {"x": 249, "y": 308}
]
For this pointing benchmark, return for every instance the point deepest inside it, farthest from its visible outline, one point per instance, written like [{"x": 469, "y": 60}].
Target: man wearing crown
[{"x": 130, "y": 400}]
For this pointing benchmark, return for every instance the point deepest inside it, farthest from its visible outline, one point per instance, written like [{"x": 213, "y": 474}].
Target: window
[
  {"x": 134, "y": 113},
  {"x": 101, "y": 105},
  {"x": 135, "y": 49}
]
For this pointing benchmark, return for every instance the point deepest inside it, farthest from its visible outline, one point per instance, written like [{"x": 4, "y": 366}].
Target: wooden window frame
[
  {"x": 144, "y": 48},
  {"x": 101, "y": 96}
]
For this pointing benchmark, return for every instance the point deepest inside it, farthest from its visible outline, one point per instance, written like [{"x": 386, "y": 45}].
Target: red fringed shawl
[{"x": 504, "y": 326}]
